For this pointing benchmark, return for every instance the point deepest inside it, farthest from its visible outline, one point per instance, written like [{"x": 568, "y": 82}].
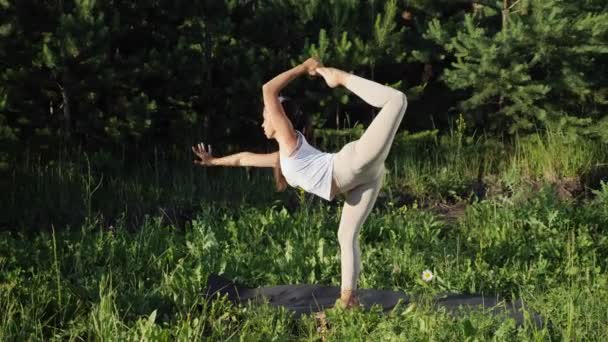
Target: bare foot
[
  {"x": 333, "y": 77},
  {"x": 349, "y": 300}
]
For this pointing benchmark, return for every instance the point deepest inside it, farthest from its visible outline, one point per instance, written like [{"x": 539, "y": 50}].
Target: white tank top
[{"x": 309, "y": 168}]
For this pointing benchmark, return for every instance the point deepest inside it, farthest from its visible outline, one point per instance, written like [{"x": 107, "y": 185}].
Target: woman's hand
[
  {"x": 333, "y": 77},
  {"x": 311, "y": 65},
  {"x": 272, "y": 88},
  {"x": 205, "y": 158}
]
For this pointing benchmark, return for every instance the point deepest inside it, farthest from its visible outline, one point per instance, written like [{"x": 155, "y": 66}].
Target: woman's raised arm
[
  {"x": 275, "y": 85},
  {"x": 285, "y": 135}
]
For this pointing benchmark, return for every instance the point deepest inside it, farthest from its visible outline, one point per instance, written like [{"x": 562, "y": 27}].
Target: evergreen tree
[
  {"x": 377, "y": 40},
  {"x": 541, "y": 67},
  {"x": 157, "y": 72}
]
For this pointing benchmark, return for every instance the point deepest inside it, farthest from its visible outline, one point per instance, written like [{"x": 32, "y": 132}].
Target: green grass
[
  {"x": 115, "y": 284},
  {"x": 96, "y": 251}
]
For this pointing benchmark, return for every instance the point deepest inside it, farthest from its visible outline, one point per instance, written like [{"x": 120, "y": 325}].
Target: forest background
[
  {"x": 98, "y": 88},
  {"x": 123, "y": 77}
]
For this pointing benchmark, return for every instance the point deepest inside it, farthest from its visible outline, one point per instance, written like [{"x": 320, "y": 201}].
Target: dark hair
[
  {"x": 302, "y": 122},
  {"x": 299, "y": 119}
]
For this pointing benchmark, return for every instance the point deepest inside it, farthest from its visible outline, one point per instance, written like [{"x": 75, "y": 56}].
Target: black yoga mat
[{"x": 309, "y": 298}]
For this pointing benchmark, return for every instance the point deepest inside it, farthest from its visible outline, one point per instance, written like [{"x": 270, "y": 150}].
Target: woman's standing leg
[{"x": 357, "y": 206}]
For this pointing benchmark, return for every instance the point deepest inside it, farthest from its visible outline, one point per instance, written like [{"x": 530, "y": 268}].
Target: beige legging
[{"x": 359, "y": 169}]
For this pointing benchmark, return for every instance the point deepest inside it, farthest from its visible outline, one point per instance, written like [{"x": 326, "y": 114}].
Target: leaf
[
  {"x": 6, "y": 29},
  {"x": 47, "y": 56},
  {"x": 288, "y": 251},
  {"x": 344, "y": 99},
  {"x": 152, "y": 318},
  {"x": 468, "y": 328},
  {"x": 415, "y": 93}
]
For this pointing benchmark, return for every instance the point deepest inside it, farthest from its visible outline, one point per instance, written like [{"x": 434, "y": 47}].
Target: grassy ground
[{"x": 94, "y": 251}]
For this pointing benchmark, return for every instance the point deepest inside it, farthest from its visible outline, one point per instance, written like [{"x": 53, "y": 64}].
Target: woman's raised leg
[{"x": 376, "y": 141}]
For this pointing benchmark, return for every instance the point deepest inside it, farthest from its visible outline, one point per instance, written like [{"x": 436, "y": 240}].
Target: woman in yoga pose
[{"x": 356, "y": 171}]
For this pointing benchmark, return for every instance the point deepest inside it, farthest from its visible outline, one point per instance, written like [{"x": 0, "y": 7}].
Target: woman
[{"x": 356, "y": 171}]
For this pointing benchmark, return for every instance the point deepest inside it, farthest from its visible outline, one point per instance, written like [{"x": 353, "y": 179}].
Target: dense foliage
[{"x": 125, "y": 75}]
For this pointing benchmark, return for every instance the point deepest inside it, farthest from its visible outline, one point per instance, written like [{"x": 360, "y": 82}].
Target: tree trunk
[
  {"x": 505, "y": 14},
  {"x": 67, "y": 114},
  {"x": 63, "y": 86},
  {"x": 338, "y": 116}
]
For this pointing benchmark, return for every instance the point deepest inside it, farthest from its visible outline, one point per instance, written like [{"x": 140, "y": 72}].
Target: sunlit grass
[
  {"x": 118, "y": 262},
  {"x": 150, "y": 283}
]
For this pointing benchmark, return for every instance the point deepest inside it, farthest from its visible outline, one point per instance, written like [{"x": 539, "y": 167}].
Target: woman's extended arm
[
  {"x": 248, "y": 159},
  {"x": 237, "y": 159}
]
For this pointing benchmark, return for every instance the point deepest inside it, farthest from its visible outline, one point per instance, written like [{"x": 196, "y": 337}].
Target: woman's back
[{"x": 309, "y": 168}]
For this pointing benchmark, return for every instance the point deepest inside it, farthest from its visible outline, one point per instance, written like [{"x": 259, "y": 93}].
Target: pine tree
[
  {"x": 366, "y": 42},
  {"x": 539, "y": 68}
]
